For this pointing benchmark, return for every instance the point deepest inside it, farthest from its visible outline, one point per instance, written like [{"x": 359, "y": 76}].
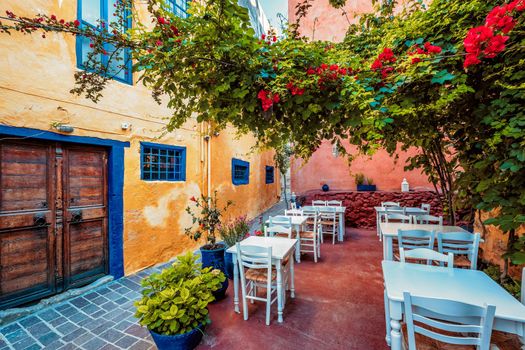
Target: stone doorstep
[{"x": 10, "y": 315}]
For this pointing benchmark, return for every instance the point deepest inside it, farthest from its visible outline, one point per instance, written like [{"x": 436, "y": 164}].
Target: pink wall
[{"x": 323, "y": 167}]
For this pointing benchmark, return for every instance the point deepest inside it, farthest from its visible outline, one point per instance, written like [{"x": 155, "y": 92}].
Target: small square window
[
  {"x": 270, "y": 174},
  {"x": 240, "y": 172},
  {"x": 162, "y": 162}
]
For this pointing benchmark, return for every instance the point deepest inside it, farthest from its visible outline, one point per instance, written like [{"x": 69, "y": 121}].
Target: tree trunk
[
  {"x": 285, "y": 191},
  {"x": 510, "y": 243}
]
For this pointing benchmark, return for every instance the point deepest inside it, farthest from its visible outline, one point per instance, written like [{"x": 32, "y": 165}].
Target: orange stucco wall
[
  {"x": 324, "y": 168},
  {"x": 330, "y": 24},
  {"x": 36, "y": 75}
]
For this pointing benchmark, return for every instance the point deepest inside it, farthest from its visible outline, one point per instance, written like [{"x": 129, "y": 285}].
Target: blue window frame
[
  {"x": 162, "y": 162},
  {"x": 240, "y": 172},
  {"x": 270, "y": 174},
  {"x": 178, "y": 7},
  {"x": 89, "y": 13}
]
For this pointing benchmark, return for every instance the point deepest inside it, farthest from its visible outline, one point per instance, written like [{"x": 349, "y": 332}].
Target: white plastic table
[
  {"x": 389, "y": 231},
  {"x": 297, "y": 223},
  {"x": 408, "y": 210},
  {"x": 340, "y": 211},
  {"x": 462, "y": 285},
  {"x": 281, "y": 249}
]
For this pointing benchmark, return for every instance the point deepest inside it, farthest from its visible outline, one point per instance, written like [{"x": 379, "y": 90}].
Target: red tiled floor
[{"x": 338, "y": 305}]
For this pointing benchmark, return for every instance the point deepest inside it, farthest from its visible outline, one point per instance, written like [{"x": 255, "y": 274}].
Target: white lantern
[{"x": 404, "y": 186}]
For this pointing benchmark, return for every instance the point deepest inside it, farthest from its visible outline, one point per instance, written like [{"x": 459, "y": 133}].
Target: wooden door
[
  {"x": 85, "y": 214},
  {"x": 53, "y": 219},
  {"x": 27, "y": 222}
]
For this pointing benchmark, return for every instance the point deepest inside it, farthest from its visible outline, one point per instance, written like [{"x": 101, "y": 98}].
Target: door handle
[
  {"x": 76, "y": 216},
  {"x": 39, "y": 219}
]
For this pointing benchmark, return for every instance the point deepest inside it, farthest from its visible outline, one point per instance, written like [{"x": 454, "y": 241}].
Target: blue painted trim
[
  {"x": 52, "y": 136},
  {"x": 270, "y": 174},
  {"x": 159, "y": 146},
  {"x": 246, "y": 180},
  {"x": 78, "y": 43},
  {"x": 115, "y": 186}
]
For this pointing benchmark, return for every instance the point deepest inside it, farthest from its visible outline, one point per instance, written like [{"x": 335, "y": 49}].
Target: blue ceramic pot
[
  {"x": 186, "y": 341},
  {"x": 215, "y": 259},
  {"x": 325, "y": 188},
  {"x": 228, "y": 264},
  {"x": 366, "y": 187}
]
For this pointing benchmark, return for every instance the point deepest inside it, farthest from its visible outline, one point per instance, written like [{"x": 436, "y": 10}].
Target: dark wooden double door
[{"x": 53, "y": 218}]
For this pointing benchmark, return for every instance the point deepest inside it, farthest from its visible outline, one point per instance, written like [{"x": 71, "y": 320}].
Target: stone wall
[{"x": 360, "y": 205}]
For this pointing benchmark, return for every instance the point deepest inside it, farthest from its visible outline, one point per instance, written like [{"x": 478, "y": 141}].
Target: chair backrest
[
  {"x": 273, "y": 230},
  {"x": 318, "y": 203},
  {"x": 428, "y": 219},
  {"x": 281, "y": 220},
  {"x": 293, "y": 212},
  {"x": 398, "y": 217},
  {"x": 313, "y": 219},
  {"x": 328, "y": 213},
  {"x": 412, "y": 239},
  {"x": 293, "y": 205},
  {"x": 426, "y": 207},
  {"x": 390, "y": 204},
  {"x": 460, "y": 243},
  {"x": 334, "y": 203},
  {"x": 439, "y": 319},
  {"x": 426, "y": 254},
  {"x": 254, "y": 257}
]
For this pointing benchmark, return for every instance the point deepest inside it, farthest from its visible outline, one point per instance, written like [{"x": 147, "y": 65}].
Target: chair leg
[
  {"x": 244, "y": 303},
  {"x": 321, "y": 233},
  {"x": 268, "y": 303},
  {"x": 315, "y": 248},
  {"x": 254, "y": 293},
  {"x": 333, "y": 234}
]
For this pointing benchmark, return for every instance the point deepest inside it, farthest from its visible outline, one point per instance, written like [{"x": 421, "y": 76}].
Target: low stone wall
[{"x": 360, "y": 205}]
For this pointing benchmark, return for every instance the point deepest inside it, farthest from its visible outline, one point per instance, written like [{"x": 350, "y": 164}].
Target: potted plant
[
  {"x": 174, "y": 303},
  {"x": 364, "y": 183},
  {"x": 232, "y": 233},
  {"x": 206, "y": 217}
]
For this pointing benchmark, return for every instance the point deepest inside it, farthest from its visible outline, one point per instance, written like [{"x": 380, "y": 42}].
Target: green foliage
[
  {"x": 206, "y": 215},
  {"x": 175, "y": 301},
  {"x": 234, "y": 231},
  {"x": 359, "y": 178},
  {"x": 511, "y": 285}
]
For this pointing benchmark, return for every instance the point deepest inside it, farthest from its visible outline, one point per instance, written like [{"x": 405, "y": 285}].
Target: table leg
[
  {"x": 341, "y": 226},
  {"x": 279, "y": 292},
  {"x": 387, "y": 318},
  {"x": 235, "y": 283},
  {"x": 292, "y": 282},
  {"x": 395, "y": 334},
  {"x": 378, "y": 228},
  {"x": 298, "y": 244},
  {"x": 388, "y": 253}
]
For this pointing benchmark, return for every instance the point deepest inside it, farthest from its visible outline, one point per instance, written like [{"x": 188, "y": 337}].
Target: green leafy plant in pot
[
  {"x": 232, "y": 233},
  {"x": 174, "y": 303},
  {"x": 364, "y": 183},
  {"x": 206, "y": 218}
]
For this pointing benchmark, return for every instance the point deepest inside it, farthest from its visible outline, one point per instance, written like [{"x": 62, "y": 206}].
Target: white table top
[
  {"x": 391, "y": 228},
  {"x": 468, "y": 286},
  {"x": 320, "y": 208},
  {"x": 408, "y": 210},
  {"x": 280, "y": 246},
  {"x": 296, "y": 220}
]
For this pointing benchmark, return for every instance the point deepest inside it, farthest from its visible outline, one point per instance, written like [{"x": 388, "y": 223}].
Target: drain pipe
[{"x": 207, "y": 138}]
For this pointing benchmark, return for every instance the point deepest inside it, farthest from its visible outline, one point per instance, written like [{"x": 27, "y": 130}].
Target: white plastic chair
[
  {"x": 446, "y": 317},
  {"x": 460, "y": 244},
  {"x": 319, "y": 203},
  {"x": 309, "y": 236},
  {"x": 426, "y": 207},
  {"x": 428, "y": 219},
  {"x": 329, "y": 223},
  {"x": 334, "y": 203},
  {"x": 255, "y": 266},
  {"x": 426, "y": 254}
]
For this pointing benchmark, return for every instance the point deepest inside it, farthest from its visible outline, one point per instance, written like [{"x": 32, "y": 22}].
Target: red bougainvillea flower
[
  {"x": 386, "y": 71},
  {"x": 175, "y": 30},
  {"x": 518, "y": 5},
  {"x": 274, "y": 39},
  {"x": 263, "y": 37},
  {"x": 377, "y": 64},
  {"x": 91, "y": 45},
  {"x": 267, "y": 100},
  {"x": 163, "y": 20},
  {"x": 158, "y": 43},
  {"x": 499, "y": 18},
  {"x": 387, "y": 55},
  {"x": 310, "y": 71},
  {"x": 476, "y": 37},
  {"x": 432, "y": 48},
  {"x": 62, "y": 21},
  {"x": 76, "y": 23},
  {"x": 495, "y": 45},
  {"x": 10, "y": 14},
  {"x": 334, "y": 67},
  {"x": 470, "y": 60},
  {"x": 276, "y": 98},
  {"x": 193, "y": 199},
  {"x": 416, "y": 60},
  {"x": 53, "y": 17},
  {"x": 324, "y": 66},
  {"x": 343, "y": 71}
]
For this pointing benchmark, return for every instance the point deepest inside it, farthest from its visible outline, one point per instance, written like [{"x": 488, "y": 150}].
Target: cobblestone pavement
[
  {"x": 100, "y": 319},
  {"x": 277, "y": 209}
]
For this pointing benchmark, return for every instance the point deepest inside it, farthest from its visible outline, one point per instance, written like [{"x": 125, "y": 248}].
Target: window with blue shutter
[
  {"x": 178, "y": 7},
  {"x": 240, "y": 172},
  {"x": 269, "y": 174},
  {"x": 162, "y": 162},
  {"x": 92, "y": 13}
]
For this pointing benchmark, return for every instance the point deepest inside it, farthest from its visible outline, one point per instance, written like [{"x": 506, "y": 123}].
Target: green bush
[
  {"x": 512, "y": 286},
  {"x": 175, "y": 301}
]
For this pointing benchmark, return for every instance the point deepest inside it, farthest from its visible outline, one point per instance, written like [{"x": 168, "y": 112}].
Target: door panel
[
  {"x": 85, "y": 214},
  {"x": 27, "y": 244}
]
